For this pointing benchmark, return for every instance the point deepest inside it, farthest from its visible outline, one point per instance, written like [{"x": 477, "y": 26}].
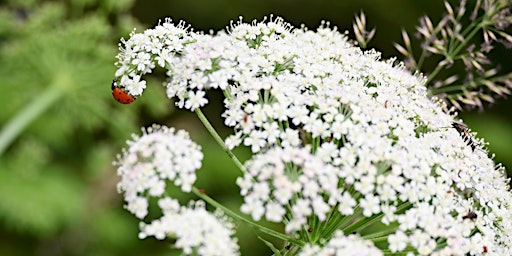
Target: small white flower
[
  {"x": 256, "y": 140},
  {"x": 274, "y": 212},
  {"x": 347, "y": 204},
  {"x": 168, "y": 205},
  {"x": 398, "y": 241},
  {"x": 254, "y": 207},
  {"x": 365, "y": 185},
  {"x": 141, "y": 61},
  {"x": 133, "y": 85},
  {"x": 370, "y": 205},
  {"x": 272, "y": 132},
  {"x": 232, "y": 141},
  {"x": 138, "y": 206},
  {"x": 290, "y": 138},
  {"x": 195, "y": 100}
]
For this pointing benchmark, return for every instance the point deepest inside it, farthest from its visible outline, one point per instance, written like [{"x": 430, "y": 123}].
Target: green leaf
[{"x": 271, "y": 246}]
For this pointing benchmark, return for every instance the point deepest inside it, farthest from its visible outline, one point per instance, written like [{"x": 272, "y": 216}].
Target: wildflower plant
[
  {"x": 349, "y": 151},
  {"x": 465, "y": 37}
]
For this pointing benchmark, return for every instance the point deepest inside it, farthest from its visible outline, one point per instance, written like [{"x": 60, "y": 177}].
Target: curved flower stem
[
  {"x": 239, "y": 218},
  {"x": 230, "y": 213},
  {"x": 218, "y": 139},
  {"x": 381, "y": 235},
  {"x": 23, "y": 118}
]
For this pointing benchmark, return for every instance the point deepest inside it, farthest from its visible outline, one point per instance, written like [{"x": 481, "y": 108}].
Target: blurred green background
[{"x": 57, "y": 184}]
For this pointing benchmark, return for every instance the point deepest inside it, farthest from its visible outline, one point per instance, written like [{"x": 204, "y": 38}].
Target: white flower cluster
[
  {"x": 139, "y": 54},
  {"x": 197, "y": 231},
  {"x": 341, "y": 245},
  {"x": 269, "y": 187},
  {"x": 158, "y": 156},
  {"x": 334, "y": 130}
]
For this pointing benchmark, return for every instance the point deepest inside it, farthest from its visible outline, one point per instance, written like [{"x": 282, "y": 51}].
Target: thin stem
[
  {"x": 218, "y": 139},
  {"x": 332, "y": 223},
  {"x": 362, "y": 223},
  {"x": 434, "y": 74},
  {"x": 447, "y": 89},
  {"x": 28, "y": 114},
  {"x": 468, "y": 34},
  {"x": 454, "y": 49},
  {"x": 237, "y": 217},
  {"x": 347, "y": 220},
  {"x": 382, "y": 233}
]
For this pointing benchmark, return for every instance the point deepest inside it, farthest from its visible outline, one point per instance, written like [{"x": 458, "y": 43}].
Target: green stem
[
  {"x": 27, "y": 115},
  {"x": 473, "y": 28},
  {"x": 367, "y": 221},
  {"x": 447, "y": 89},
  {"x": 382, "y": 233},
  {"x": 347, "y": 220},
  {"x": 454, "y": 48},
  {"x": 219, "y": 140},
  {"x": 362, "y": 223},
  {"x": 237, "y": 217},
  {"x": 434, "y": 74}
]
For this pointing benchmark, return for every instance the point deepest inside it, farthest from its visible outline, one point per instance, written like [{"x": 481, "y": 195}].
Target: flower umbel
[
  {"x": 162, "y": 155},
  {"x": 197, "y": 231},
  {"x": 350, "y": 245},
  {"x": 342, "y": 142},
  {"x": 158, "y": 156}
]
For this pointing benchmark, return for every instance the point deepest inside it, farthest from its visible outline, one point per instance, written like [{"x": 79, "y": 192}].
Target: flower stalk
[{"x": 218, "y": 139}]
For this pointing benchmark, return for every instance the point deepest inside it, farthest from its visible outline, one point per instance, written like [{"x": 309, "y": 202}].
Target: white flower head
[
  {"x": 142, "y": 52},
  {"x": 334, "y": 130},
  {"x": 197, "y": 231},
  {"x": 340, "y": 244},
  {"x": 159, "y": 156},
  {"x": 289, "y": 178}
]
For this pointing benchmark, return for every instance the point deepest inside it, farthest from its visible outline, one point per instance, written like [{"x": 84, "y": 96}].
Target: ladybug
[{"x": 120, "y": 95}]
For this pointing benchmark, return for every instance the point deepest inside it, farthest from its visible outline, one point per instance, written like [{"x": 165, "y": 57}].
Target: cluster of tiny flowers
[
  {"x": 341, "y": 245},
  {"x": 335, "y": 130},
  {"x": 142, "y": 52},
  {"x": 197, "y": 231},
  {"x": 158, "y": 156},
  {"x": 269, "y": 187}
]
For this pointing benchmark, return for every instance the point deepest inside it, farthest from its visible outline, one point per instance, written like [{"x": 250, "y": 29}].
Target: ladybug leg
[{"x": 114, "y": 84}]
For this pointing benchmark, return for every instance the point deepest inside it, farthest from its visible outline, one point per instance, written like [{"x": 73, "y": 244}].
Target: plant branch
[
  {"x": 218, "y": 139},
  {"x": 28, "y": 114},
  {"x": 239, "y": 218}
]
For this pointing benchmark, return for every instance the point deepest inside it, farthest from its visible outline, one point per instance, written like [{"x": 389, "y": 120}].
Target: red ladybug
[{"x": 120, "y": 95}]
